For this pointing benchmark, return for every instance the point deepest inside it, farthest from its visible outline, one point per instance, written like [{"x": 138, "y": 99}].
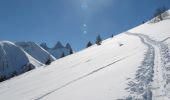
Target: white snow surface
[{"x": 137, "y": 70}]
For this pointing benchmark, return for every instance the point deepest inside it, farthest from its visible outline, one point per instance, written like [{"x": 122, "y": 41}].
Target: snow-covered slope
[
  {"x": 137, "y": 70},
  {"x": 36, "y": 51},
  {"x": 14, "y": 61}
]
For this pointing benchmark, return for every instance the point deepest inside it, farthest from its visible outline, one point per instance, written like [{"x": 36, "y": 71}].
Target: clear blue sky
[{"x": 63, "y": 20}]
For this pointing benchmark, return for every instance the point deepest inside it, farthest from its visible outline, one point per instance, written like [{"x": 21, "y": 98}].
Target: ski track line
[
  {"x": 79, "y": 78},
  {"x": 162, "y": 73},
  {"x": 157, "y": 86},
  {"x": 158, "y": 71},
  {"x": 139, "y": 87},
  {"x": 165, "y": 39}
]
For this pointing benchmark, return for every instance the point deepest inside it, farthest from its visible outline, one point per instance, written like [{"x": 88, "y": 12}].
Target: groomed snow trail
[{"x": 153, "y": 77}]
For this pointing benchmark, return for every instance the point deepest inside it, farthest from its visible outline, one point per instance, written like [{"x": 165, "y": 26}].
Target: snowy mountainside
[
  {"x": 14, "y": 61},
  {"x": 139, "y": 69},
  {"x": 36, "y": 51}
]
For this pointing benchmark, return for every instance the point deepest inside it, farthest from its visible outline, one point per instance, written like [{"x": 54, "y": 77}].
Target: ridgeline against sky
[{"x": 73, "y": 21}]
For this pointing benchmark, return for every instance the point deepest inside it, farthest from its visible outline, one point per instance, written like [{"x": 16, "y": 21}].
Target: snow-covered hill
[
  {"x": 14, "y": 61},
  {"x": 36, "y": 51},
  {"x": 139, "y": 69}
]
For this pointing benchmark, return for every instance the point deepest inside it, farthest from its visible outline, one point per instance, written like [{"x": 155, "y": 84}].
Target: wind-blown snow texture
[{"x": 137, "y": 70}]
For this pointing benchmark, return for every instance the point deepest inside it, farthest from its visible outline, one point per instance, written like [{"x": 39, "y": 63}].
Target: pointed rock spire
[{"x": 58, "y": 45}]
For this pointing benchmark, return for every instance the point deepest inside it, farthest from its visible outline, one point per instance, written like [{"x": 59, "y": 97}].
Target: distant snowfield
[{"x": 138, "y": 69}]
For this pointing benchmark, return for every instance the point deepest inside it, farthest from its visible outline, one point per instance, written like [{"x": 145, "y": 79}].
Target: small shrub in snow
[
  {"x": 112, "y": 36},
  {"x": 98, "y": 40},
  {"x": 143, "y": 22},
  {"x": 160, "y": 13},
  {"x": 14, "y": 74},
  {"x": 48, "y": 62},
  {"x": 2, "y": 78},
  {"x": 71, "y": 51},
  {"x": 88, "y": 44},
  {"x": 27, "y": 67},
  {"x": 120, "y": 44}
]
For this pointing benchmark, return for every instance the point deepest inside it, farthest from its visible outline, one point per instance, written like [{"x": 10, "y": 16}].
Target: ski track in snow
[
  {"x": 152, "y": 80},
  {"x": 165, "y": 39},
  {"x": 79, "y": 78}
]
